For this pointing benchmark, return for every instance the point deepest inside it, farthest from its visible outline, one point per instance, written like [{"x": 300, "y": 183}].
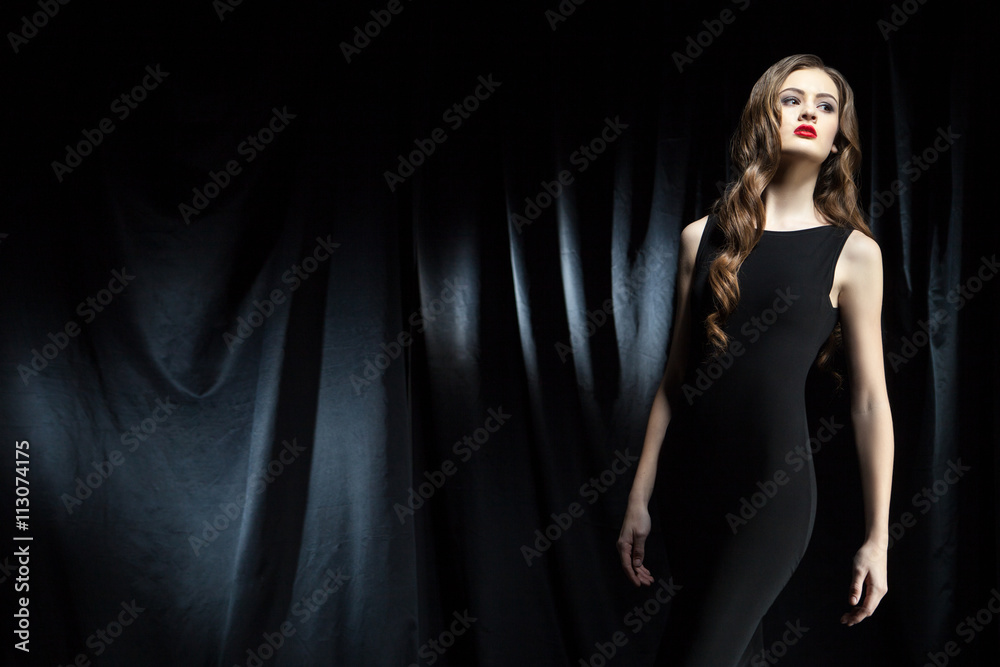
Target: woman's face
[{"x": 810, "y": 113}]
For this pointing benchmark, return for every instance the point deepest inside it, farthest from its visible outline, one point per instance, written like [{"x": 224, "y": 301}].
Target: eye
[
  {"x": 829, "y": 107},
  {"x": 786, "y": 100}
]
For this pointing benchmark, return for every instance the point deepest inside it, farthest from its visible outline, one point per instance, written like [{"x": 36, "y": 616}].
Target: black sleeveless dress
[{"x": 737, "y": 495}]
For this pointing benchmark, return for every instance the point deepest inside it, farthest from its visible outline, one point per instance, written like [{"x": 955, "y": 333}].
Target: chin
[{"x": 814, "y": 156}]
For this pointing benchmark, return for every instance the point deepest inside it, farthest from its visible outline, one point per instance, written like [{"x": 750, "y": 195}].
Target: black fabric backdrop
[{"x": 224, "y": 440}]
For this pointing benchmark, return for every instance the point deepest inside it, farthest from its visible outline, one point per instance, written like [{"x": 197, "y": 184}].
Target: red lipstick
[{"x": 806, "y": 131}]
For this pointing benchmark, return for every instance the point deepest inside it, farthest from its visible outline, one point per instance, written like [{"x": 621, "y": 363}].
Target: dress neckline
[{"x": 797, "y": 231}]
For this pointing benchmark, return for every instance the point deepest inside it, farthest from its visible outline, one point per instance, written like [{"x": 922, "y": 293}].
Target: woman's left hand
[{"x": 869, "y": 569}]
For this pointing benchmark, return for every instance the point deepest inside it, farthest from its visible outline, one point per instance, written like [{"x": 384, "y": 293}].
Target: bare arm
[
  {"x": 860, "y": 301},
  {"x": 636, "y": 526}
]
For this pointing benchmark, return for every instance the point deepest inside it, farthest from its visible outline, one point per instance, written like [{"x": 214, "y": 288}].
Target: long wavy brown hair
[{"x": 756, "y": 154}]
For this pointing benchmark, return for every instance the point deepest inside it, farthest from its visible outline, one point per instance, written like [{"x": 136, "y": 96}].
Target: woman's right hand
[{"x": 632, "y": 543}]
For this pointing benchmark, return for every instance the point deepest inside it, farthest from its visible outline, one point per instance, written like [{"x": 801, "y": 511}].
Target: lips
[{"x": 806, "y": 131}]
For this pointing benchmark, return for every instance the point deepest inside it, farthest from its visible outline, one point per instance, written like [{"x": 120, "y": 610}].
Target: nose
[{"x": 807, "y": 110}]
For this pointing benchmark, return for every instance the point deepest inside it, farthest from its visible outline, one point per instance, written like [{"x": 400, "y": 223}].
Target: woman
[{"x": 783, "y": 263}]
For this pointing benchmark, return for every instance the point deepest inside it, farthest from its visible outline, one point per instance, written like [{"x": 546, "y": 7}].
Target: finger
[
  {"x": 644, "y": 575},
  {"x": 625, "y": 553},
  {"x": 859, "y": 577},
  {"x": 874, "y": 592},
  {"x": 873, "y": 595},
  {"x": 638, "y": 551},
  {"x": 639, "y": 559},
  {"x": 853, "y": 616}
]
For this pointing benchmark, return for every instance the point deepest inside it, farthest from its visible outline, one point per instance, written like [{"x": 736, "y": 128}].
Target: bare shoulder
[
  {"x": 858, "y": 276},
  {"x": 691, "y": 239},
  {"x": 862, "y": 254},
  {"x": 693, "y": 231}
]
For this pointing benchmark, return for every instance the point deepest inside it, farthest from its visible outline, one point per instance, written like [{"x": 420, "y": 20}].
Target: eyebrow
[{"x": 800, "y": 92}]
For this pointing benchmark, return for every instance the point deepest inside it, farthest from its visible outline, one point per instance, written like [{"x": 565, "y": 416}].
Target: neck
[{"x": 788, "y": 198}]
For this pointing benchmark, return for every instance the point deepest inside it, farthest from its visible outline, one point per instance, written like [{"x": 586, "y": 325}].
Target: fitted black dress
[{"x": 737, "y": 496}]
